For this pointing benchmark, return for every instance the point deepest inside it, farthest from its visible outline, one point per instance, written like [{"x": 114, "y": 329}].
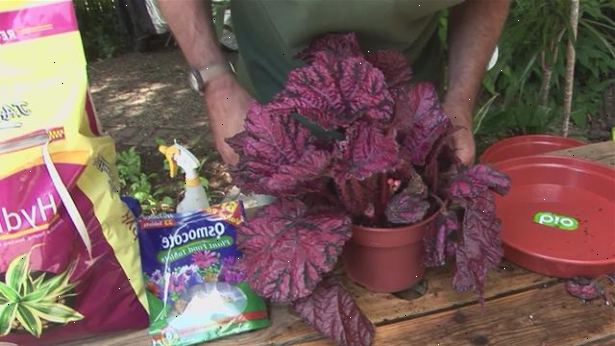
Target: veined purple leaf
[
  {"x": 286, "y": 248},
  {"x": 394, "y": 66},
  {"x": 339, "y": 45},
  {"x": 357, "y": 196},
  {"x": 477, "y": 179},
  {"x": 236, "y": 142},
  {"x": 331, "y": 310},
  {"x": 436, "y": 239},
  {"x": 364, "y": 90},
  {"x": 403, "y": 116},
  {"x": 365, "y": 151},
  {"x": 409, "y": 205},
  {"x": 416, "y": 185},
  {"x": 312, "y": 92},
  {"x": 583, "y": 288},
  {"x": 429, "y": 123},
  {"x": 590, "y": 289},
  {"x": 336, "y": 92},
  {"x": 440, "y": 163},
  {"x": 404, "y": 209},
  {"x": 480, "y": 248},
  {"x": 277, "y": 154}
]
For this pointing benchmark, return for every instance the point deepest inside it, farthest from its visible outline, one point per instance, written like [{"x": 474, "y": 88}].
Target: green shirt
[{"x": 271, "y": 32}]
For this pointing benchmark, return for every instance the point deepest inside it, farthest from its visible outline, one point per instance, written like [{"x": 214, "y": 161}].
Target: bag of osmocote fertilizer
[
  {"x": 69, "y": 257},
  {"x": 194, "y": 291}
]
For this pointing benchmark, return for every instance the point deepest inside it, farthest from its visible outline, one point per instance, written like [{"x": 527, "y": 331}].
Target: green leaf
[
  {"x": 579, "y": 117},
  {"x": 29, "y": 320},
  {"x": 54, "y": 282},
  {"x": 60, "y": 291},
  {"x": 58, "y": 284},
  {"x": 17, "y": 273},
  {"x": 159, "y": 191},
  {"x": 28, "y": 287},
  {"x": 204, "y": 182},
  {"x": 38, "y": 281},
  {"x": 7, "y": 315},
  {"x": 8, "y": 293},
  {"x": 36, "y": 296},
  {"x": 601, "y": 37},
  {"x": 167, "y": 200},
  {"x": 141, "y": 196},
  {"x": 55, "y": 312},
  {"x": 482, "y": 112}
]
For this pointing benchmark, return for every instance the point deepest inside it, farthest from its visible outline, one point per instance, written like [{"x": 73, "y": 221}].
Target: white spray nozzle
[{"x": 178, "y": 155}]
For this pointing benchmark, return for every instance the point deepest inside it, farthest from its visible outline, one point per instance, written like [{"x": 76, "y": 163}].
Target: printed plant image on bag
[
  {"x": 206, "y": 267},
  {"x": 32, "y": 302},
  {"x": 69, "y": 257}
]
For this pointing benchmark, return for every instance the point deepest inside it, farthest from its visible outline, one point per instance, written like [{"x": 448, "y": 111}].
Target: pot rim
[
  {"x": 392, "y": 237},
  {"x": 434, "y": 214},
  {"x": 536, "y": 139}
]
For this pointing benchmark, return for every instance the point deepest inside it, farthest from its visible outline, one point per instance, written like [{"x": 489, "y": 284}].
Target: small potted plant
[{"x": 352, "y": 149}]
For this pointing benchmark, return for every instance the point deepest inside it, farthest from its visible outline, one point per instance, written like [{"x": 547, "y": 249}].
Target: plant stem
[
  {"x": 384, "y": 198},
  {"x": 570, "y": 61}
]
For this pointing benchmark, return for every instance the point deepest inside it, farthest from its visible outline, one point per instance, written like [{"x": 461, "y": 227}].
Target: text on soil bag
[
  {"x": 13, "y": 111},
  {"x": 7, "y": 35},
  {"x": 36, "y": 215}
]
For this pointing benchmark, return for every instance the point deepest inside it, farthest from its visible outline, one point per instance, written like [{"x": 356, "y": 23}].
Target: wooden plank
[
  {"x": 440, "y": 294},
  {"x": 603, "y": 152},
  {"x": 288, "y": 328},
  {"x": 537, "y": 317}
]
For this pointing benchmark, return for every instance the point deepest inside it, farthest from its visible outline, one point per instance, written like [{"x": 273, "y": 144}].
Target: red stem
[{"x": 384, "y": 198}]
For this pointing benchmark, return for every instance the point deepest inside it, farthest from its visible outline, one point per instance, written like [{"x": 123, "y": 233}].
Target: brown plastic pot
[{"x": 386, "y": 260}]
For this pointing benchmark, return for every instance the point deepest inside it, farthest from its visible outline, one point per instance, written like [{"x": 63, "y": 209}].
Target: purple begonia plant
[{"x": 351, "y": 140}]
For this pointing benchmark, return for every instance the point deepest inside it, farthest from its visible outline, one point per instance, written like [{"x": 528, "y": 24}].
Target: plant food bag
[
  {"x": 196, "y": 292},
  {"x": 69, "y": 257}
]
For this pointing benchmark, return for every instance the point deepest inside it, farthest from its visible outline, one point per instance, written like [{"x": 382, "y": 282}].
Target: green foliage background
[
  {"x": 102, "y": 32},
  {"x": 510, "y": 97}
]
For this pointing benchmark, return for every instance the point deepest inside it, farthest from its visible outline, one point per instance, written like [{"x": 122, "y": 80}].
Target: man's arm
[
  {"x": 225, "y": 100},
  {"x": 473, "y": 31}
]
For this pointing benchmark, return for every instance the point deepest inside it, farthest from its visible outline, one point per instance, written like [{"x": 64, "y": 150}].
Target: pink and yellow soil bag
[{"x": 69, "y": 258}]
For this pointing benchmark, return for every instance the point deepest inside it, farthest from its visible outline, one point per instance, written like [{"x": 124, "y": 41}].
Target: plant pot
[
  {"x": 528, "y": 145},
  {"x": 386, "y": 260}
]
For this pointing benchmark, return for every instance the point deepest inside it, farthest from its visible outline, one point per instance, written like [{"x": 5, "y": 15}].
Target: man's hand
[
  {"x": 227, "y": 104},
  {"x": 473, "y": 30},
  {"x": 463, "y": 139}
]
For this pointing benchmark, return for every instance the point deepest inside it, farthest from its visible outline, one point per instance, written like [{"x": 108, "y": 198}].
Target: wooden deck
[{"x": 522, "y": 308}]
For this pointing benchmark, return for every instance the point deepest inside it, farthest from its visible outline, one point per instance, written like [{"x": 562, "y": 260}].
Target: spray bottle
[{"x": 195, "y": 197}]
